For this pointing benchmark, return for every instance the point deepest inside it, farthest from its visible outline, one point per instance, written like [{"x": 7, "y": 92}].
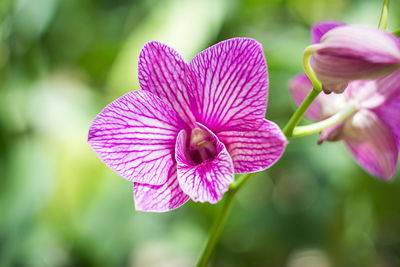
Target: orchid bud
[{"x": 349, "y": 53}]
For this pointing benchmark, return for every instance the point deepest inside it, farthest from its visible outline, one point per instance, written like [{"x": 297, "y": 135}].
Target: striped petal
[
  {"x": 319, "y": 29},
  {"x": 159, "y": 198},
  {"x": 135, "y": 136},
  {"x": 372, "y": 143},
  {"x": 323, "y": 106},
  {"x": 254, "y": 150},
  {"x": 163, "y": 72},
  {"x": 209, "y": 180},
  {"x": 232, "y": 84}
]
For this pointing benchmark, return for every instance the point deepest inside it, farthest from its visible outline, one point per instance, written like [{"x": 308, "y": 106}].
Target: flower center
[{"x": 201, "y": 146}]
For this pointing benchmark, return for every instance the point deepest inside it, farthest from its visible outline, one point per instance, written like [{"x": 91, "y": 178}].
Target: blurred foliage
[{"x": 61, "y": 62}]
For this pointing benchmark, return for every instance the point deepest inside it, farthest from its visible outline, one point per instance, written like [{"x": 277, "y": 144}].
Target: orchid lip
[{"x": 201, "y": 146}]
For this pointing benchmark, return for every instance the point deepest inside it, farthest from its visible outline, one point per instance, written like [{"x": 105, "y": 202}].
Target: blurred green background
[{"x": 62, "y": 61}]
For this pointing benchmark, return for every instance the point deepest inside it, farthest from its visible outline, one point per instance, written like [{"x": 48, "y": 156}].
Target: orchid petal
[
  {"x": 323, "y": 106},
  {"x": 374, "y": 93},
  {"x": 355, "y": 53},
  {"x": 209, "y": 180},
  {"x": 299, "y": 88},
  {"x": 319, "y": 29},
  {"x": 331, "y": 134},
  {"x": 232, "y": 84},
  {"x": 389, "y": 113},
  {"x": 372, "y": 143},
  {"x": 135, "y": 136},
  {"x": 163, "y": 72},
  {"x": 160, "y": 198},
  {"x": 254, "y": 150}
]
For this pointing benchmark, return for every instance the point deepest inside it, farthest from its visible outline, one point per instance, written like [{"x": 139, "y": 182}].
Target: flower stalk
[
  {"x": 317, "y": 87},
  {"x": 384, "y": 15},
  {"x": 322, "y": 125},
  {"x": 308, "y": 52},
  {"x": 299, "y": 113},
  {"x": 219, "y": 223}
]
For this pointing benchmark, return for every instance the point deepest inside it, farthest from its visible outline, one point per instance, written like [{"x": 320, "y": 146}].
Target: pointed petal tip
[
  {"x": 163, "y": 72},
  {"x": 388, "y": 178},
  {"x": 149, "y": 45},
  {"x": 240, "y": 39},
  {"x": 153, "y": 43},
  {"x": 382, "y": 175},
  {"x": 373, "y": 144},
  {"x": 388, "y": 174}
]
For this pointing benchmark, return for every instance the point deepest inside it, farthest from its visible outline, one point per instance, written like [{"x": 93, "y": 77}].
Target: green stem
[
  {"x": 396, "y": 32},
  {"x": 317, "y": 87},
  {"x": 308, "y": 52},
  {"x": 238, "y": 184},
  {"x": 299, "y": 113},
  {"x": 384, "y": 15},
  {"x": 321, "y": 125},
  {"x": 221, "y": 219}
]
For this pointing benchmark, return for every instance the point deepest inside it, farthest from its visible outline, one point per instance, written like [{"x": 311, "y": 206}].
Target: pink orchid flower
[
  {"x": 192, "y": 126},
  {"x": 372, "y": 133},
  {"x": 344, "y": 53}
]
